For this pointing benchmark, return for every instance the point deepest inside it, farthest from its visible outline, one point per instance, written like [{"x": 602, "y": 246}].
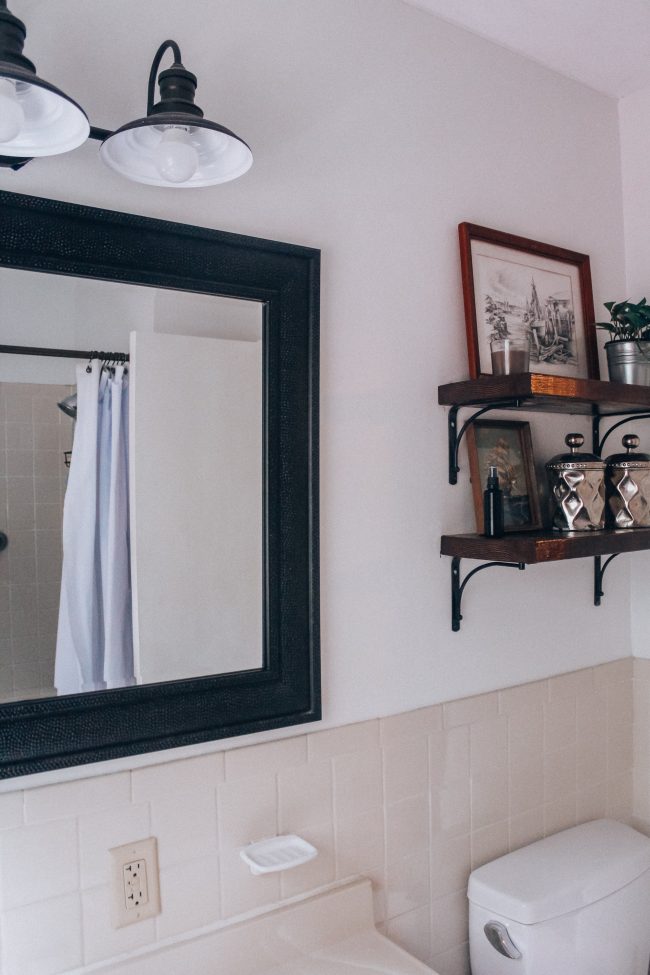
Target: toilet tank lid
[{"x": 561, "y": 873}]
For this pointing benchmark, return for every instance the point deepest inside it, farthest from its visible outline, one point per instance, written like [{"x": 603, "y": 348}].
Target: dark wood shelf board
[
  {"x": 554, "y": 394},
  {"x": 546, "y": 546}
]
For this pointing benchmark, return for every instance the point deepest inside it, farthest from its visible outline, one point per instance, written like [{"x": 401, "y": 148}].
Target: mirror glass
[{"x": 156, "y": 525}]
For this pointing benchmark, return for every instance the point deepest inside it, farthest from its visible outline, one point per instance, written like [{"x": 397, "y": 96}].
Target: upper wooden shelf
[
  {"x": 553, "y": 394},
  {"x": 545, "y": 546}
]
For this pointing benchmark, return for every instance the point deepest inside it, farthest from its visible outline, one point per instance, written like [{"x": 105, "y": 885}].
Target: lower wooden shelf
[
  {"x": 546, "y": 546},
  {"x": 516, "y": 550}
]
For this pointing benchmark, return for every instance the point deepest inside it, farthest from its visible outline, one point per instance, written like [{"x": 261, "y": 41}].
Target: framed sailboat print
[
  {"x": 506, "y": 445},
  {"x": 519, "y": 288}
]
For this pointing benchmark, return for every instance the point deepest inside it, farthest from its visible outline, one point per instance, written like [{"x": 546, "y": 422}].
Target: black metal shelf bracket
[
  {"x": 458, "y": 587},
  {"x": 599, "y": 572},
  {"x": 455, "y": 436},
  {"x": 598, "y": 442}
]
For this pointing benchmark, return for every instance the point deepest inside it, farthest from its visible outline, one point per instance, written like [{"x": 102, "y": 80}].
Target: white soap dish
[{"x": 277, "y": 853}]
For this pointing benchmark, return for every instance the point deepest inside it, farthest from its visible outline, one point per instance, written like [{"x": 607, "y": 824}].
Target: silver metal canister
[
  {"x": 628, "y": 486},
  {"x": 577, "y": 488}
]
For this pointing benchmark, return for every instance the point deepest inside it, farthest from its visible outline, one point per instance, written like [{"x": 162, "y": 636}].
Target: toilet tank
[{"x": 577, "y": 902}]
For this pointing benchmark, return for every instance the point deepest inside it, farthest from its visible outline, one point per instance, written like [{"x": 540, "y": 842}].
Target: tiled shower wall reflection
[
  {"x": 34, "y": 434},
  {"x": 413, "y": 801}
]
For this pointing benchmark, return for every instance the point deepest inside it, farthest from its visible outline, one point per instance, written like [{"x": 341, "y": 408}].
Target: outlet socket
[{"x": 134, "y": 882}]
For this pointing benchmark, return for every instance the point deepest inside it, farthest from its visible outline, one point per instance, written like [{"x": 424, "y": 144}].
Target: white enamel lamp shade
[
  {"x": 36, "y": 119},
  {"x": 49, "y": 122},
  {"x": 136, "y": 149}
]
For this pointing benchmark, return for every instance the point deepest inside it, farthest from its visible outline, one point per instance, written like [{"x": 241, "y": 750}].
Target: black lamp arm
[
  {"x": 99, "y": 135},
  {"x": 155, "y": 67}
]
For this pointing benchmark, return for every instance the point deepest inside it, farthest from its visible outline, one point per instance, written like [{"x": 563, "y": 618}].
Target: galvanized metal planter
[{"x": 629, "y": 362}]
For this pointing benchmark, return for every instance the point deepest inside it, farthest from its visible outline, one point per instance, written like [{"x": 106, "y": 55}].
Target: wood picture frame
[
  {"x": 506, "y": 444},
  {"x": 513, "y": 286}
]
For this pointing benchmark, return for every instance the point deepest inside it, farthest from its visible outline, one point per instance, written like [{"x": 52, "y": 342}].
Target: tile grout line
[{"x": 79, "y": 891}]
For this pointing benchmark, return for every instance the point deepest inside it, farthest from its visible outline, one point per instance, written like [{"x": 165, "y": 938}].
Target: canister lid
[
  {"x": 561, "y": 873},
  {"x": 573, "y": 460},
  {"x": 632, "y": 458}
]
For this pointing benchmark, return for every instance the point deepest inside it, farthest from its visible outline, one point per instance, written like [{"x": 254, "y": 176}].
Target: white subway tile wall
[
  {"x": 34, "y": 434},
  {"x": 414, "y": 801}
]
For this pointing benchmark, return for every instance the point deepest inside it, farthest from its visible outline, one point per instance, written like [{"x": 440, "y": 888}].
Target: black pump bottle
[{"x": 493, "y": 506}]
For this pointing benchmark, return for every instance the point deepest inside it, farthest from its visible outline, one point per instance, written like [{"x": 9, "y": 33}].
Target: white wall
[
  {"x": 376, "y": 128},
  {"x": 635, "y": 150},
  {"x": 634, "y": 112},
  {"x": 49, "y": 310}
]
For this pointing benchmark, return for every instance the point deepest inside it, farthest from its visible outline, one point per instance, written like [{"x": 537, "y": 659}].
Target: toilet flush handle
[{"x": 497, "y": 935}]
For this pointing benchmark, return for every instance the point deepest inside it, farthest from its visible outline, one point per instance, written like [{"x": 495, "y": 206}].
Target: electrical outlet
[
  {"x": 136, "y": 888},
  {"x": 135, "y": 882}
]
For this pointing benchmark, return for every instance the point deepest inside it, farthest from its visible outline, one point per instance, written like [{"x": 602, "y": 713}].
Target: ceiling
[{"x": 602, "y": 43}]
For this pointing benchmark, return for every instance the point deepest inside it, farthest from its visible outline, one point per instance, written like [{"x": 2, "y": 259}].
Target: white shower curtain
[{"x": 95, "y": 637}]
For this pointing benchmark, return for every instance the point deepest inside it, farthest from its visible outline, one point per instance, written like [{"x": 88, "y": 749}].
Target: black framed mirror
[{"x": 49, "y": 237}]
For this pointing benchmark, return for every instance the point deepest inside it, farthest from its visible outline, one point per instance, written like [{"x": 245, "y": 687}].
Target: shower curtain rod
[{"x": 65, "y": 353}]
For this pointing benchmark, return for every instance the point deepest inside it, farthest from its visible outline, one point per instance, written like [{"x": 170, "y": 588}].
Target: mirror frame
[{"x": 63, "y": 238}]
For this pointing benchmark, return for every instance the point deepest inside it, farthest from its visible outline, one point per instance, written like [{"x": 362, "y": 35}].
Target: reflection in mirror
[{"x": 163, "y": 552}]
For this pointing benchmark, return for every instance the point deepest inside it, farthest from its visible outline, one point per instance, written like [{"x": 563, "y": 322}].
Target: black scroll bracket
[
  {"x": 458, "y": 587},
  {"x": 599, "y": 572},
  {"x": 598, "y": 442},
  {"x": 455, "y": 435}
]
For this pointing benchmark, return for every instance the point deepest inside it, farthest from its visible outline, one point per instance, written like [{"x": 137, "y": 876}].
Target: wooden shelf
[
  {"x": 545, "y": 546},
  {"x": 553, "y": 394}
]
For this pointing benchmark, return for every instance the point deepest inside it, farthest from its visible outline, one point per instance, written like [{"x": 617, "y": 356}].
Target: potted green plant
[{"x": 628, "y": 348}]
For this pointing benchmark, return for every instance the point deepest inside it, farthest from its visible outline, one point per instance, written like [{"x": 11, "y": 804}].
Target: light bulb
[
  {"x": 175, "y": 158},
  {"x": 12, "y": 117}
]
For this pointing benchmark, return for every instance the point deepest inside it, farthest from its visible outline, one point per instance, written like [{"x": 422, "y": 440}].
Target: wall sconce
[{"x": 174, "y": 145}]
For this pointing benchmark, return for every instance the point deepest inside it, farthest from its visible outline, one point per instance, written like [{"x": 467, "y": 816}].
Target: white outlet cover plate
[{"x": 124, "y": 913}]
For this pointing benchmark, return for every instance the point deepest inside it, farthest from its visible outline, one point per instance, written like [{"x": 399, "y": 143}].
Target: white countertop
[
  {"x": 365, "y": 952},
  {"x": 330, "y": 933}
]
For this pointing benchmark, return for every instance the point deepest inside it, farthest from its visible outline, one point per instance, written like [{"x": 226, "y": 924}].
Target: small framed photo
[
  {"x": 522, "y": 289},
  {"x": 506, "y": 445}
]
